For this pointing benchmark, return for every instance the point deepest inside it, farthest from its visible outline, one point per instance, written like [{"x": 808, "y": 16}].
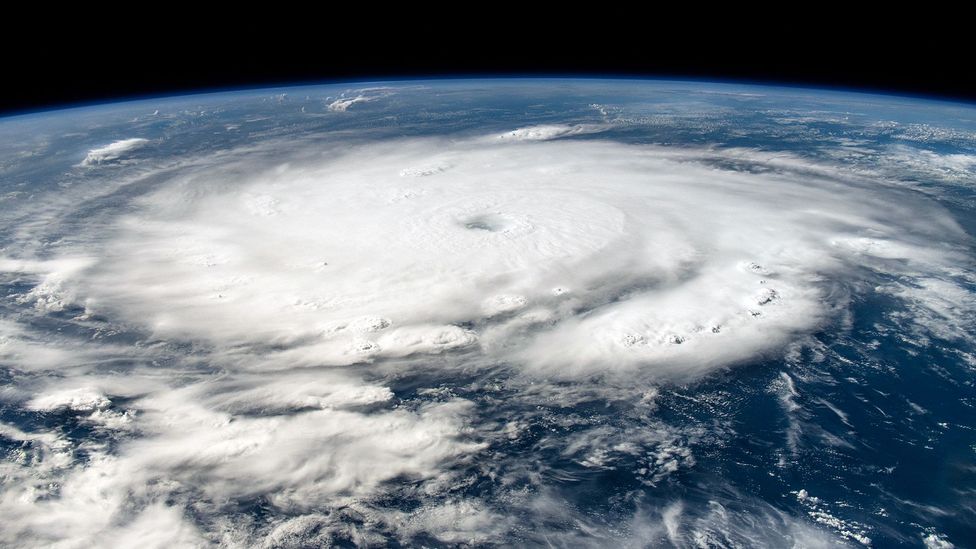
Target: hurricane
[{"x": 489, "y": 313}]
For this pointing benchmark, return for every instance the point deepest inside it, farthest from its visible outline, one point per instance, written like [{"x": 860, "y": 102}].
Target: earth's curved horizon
[{"x": 530, "y": 312}]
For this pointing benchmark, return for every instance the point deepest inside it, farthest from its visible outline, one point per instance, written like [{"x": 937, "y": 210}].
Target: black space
[{"x": 47, "y": 67}]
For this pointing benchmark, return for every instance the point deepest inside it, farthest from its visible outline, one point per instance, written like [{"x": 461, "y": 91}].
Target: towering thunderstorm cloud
[{"x": 285, "y": 337}]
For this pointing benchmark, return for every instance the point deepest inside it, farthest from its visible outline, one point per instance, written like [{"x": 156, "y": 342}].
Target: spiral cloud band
[{"x": 567, "y": 258}]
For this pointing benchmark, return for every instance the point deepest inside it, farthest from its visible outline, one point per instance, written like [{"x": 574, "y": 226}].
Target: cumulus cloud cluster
[
  {"x": 113, "y": 151},
  {"x": 550, "y": 131},
  {"x": 343, "y": 104},
  {"x": 305, "y": 288},
  {"x": 365, "y": 95}
]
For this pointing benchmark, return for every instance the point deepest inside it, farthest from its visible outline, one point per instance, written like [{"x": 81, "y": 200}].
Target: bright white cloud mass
[
  {"x": 113, "y": 151},
  {"x": 306, "y": 287},
  {"x": 570, "y": 258}
]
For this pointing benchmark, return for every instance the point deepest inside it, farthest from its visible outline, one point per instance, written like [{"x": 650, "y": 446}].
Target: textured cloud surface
[
  {"x": 570, "y": 258},
  {"x": 297, "y": 294},
  {"x": 113, "y": 151}
]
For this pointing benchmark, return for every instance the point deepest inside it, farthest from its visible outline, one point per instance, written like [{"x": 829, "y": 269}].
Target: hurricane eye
[{"x": 489, "y": 223}]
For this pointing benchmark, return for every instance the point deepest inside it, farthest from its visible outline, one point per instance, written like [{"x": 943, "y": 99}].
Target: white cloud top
[
  {"x": 343, "y": 104},
  {"x": 113, "y": 151},
  {"x": 550, "y": 131}
]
